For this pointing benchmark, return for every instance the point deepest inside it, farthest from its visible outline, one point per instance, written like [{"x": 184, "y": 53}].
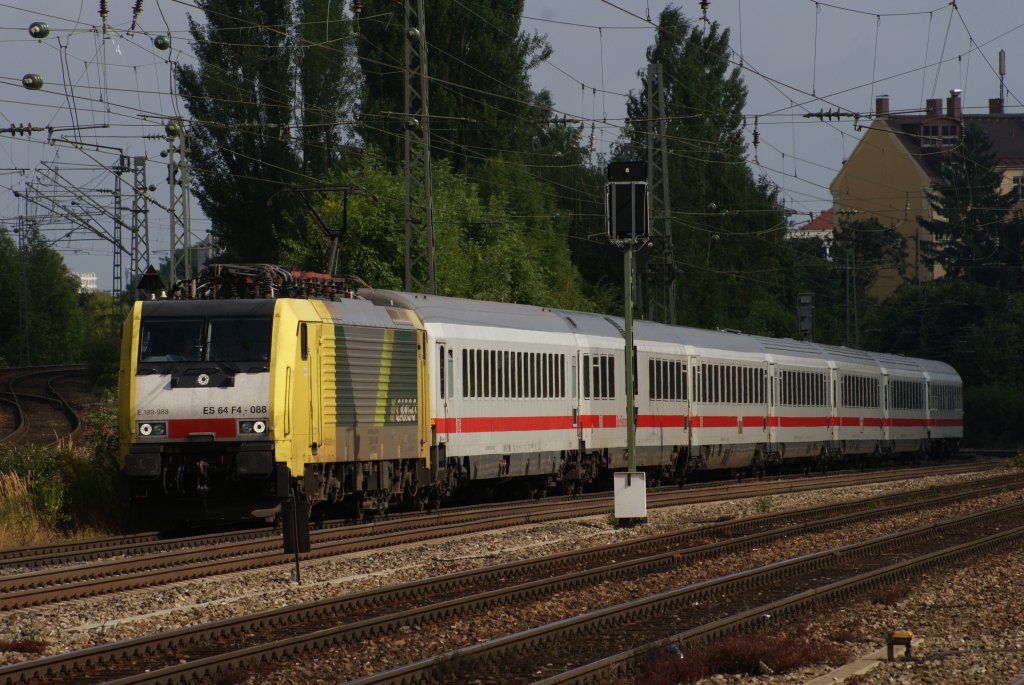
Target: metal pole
[{"x": 630, "y": 411}]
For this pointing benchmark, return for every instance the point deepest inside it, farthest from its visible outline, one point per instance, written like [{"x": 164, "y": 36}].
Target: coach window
[
  {"x": 541, "y": 376},
  {"x": 481, "y": 373},
  {"x": 651, "y": 380},
  {"x": 602, "y": 370},
  {"x": 538, "y": 364},
  {"x": 518, "y": 374},
  {"x": 471, "y": 355},
  {"x": 559, "y": 375},
  {"x": 586, "y": 376},
  {"x": 551, "y": 374},
  {"x": 495, "y": 373},
  {"x": 480, "y": 362},
  {"x": 465, "y": 375},
  {"x": 506, "y": 373}
]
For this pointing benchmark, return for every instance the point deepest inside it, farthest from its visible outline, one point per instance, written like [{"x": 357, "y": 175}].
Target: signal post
[{"x": 626, "y": 214}]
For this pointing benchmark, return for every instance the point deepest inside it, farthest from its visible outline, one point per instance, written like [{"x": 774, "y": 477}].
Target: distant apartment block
[
  {"x": 87, "y": 282},
  {"x": 899, "y": 160}
]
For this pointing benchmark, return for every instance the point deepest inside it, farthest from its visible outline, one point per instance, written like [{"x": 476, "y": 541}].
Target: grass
[
  {"x": 764, "y": 504},
  {"x": 743, "y": 655}
]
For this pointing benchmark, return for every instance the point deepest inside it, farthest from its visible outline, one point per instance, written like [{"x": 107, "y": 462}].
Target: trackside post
[{"x": 626, "y": 214}]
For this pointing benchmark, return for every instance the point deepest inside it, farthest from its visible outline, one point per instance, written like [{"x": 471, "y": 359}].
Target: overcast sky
[{"x": 798, "y": 56}]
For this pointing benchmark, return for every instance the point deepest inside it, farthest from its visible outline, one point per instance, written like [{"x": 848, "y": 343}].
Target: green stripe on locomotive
[{"x": 375, "y": 392}]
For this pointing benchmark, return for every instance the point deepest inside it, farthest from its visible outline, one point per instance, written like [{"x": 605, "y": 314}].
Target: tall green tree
[
  {"x": 727, "y": 225},
  {"x": 976, "y": 237},
  {"x": 479, "y": 59},
  {"x": 268, "y": 96},
  {"x": 56, "y": 327}
]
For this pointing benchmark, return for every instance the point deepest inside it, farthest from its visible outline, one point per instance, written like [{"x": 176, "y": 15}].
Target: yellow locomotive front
[{"x": 196, "y": 408}]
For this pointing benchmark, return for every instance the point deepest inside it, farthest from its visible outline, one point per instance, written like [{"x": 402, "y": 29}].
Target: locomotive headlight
[
  {"x": 155, "y": 429},
  {"x": 252, "y": 427}
]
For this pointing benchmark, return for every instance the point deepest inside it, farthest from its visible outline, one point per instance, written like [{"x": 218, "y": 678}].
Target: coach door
[
  {"x": 445, "y": 389},
  {"x": 696, "y": 398},
  {"x": 772, "y": 409}
]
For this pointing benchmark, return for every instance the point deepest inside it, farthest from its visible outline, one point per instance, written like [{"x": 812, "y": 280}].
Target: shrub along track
[
  {"x": 157, "y": 562},
  {"x": 197, "y": 652},
  {"x": 39, "y": 414}
]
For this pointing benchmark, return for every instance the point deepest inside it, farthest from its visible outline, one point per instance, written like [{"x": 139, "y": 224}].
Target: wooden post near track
[{"x": 627, "y": 217}]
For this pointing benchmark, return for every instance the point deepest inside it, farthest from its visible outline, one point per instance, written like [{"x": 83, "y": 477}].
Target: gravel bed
[{"x": 85, "y": 622}]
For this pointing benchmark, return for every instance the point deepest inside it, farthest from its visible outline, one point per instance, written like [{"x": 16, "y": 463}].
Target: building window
[
  {"x": 934, "y": 135},
  {"x": 1018, "y": 187}
]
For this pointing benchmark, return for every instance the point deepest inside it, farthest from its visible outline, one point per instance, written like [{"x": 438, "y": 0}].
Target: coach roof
[{"x": 454, "y": 310}]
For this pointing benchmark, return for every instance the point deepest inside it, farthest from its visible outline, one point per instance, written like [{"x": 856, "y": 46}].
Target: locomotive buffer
[{"x": 626, "y": 214}]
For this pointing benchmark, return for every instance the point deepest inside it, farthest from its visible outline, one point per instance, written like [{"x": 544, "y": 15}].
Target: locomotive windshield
[
  {"x": 215, "y": 339},
  {"x": 171, "y": 340},
  {"x": 239, "y": 340}
]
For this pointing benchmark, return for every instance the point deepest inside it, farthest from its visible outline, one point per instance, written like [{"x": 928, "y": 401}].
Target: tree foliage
[
  {"x": 483, "y": 249},
  {"x": 59, "y": 328},
  {"x": 267, "y": 102},
  {"x": 975, "y": 236},
  {"x": 480, "y": 101},
  {"x": 727, "y": 226}
]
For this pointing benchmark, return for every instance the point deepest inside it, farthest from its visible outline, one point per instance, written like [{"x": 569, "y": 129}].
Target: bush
[
  {"x": 64, "y": 489},
  {"x": 43, "y": 470}
]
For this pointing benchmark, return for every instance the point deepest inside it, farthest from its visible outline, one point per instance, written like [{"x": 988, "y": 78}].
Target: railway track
[
  {"x": 136, "y": 564},
  {"x": 205, "y": 651},
  {"x": 37, "y": 412},
  {"x": 16, "y": 560}
]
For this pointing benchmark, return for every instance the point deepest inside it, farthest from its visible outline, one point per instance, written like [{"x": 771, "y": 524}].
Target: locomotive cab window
[
  {"x": 239, "y": 340},
  {"x": 170, "y": 340}
]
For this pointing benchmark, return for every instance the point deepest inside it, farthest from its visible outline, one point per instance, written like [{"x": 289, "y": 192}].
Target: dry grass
[
  {"x": 744, "y": 655},
  {"x": 19, "y": 523},
  {"x": 25, "y": 645}
]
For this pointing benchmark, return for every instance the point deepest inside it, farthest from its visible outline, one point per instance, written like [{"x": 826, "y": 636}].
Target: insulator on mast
[
  {"x": 136, "y": 11},
  {"x": 104, "y": 13}
]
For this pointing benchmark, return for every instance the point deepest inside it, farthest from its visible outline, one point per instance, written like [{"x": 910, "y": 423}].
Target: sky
[{"x": 110, "y": 90}]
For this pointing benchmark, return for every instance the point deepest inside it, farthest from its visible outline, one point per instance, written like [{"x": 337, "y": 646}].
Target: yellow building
[{"x": 898, "y": 161}]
